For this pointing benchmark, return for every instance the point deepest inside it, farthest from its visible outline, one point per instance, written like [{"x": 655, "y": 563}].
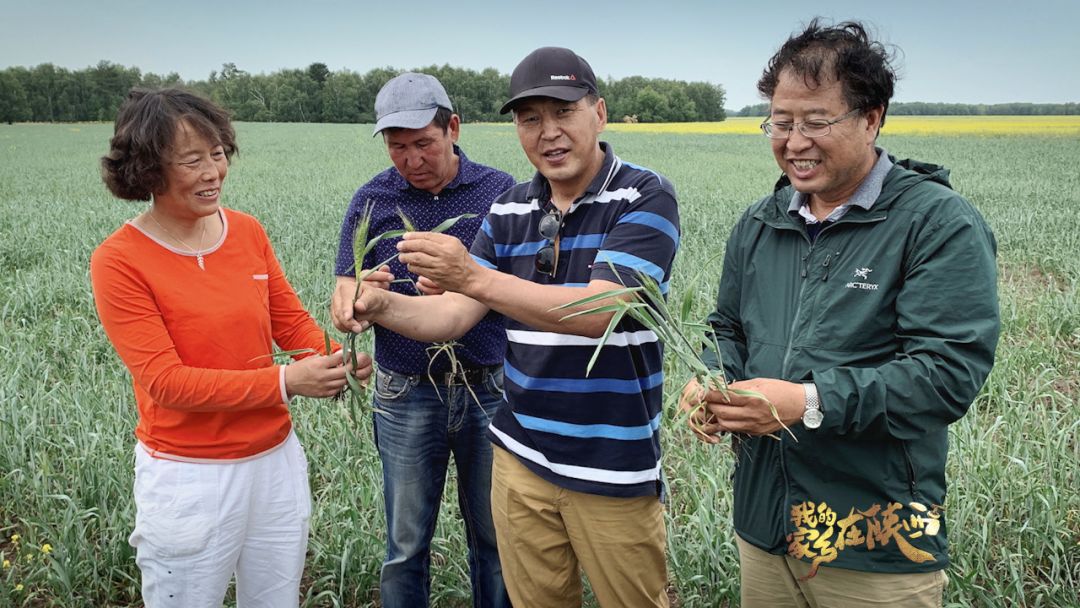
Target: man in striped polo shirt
[{"x": 576, "y": 479}]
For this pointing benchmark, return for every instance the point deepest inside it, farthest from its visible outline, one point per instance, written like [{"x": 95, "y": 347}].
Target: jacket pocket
[{"x": 912, "y": 476}]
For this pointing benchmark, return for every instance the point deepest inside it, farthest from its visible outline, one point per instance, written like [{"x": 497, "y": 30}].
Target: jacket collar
[
  {"x": 903, "y": 175},
  {"x": 867, "y": 193}
]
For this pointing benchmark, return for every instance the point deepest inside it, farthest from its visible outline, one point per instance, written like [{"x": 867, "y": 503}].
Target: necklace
[{"x": 198, "y": 252}]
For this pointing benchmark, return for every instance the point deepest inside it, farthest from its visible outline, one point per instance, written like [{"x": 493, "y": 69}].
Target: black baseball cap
[{"x": 551, "y": 71}]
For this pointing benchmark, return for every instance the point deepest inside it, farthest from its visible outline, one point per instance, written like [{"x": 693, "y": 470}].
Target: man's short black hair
[
  {"x": 844, "y": 53},
  {"x": 441, "y": 119},
  {"x": 591, "y": 99}
]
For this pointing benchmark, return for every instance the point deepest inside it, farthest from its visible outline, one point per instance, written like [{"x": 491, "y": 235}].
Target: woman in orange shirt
[{"x": 193, "y": 299}]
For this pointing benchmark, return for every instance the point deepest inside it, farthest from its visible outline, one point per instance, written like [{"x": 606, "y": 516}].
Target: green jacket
[{"x": 893, "y": 314}]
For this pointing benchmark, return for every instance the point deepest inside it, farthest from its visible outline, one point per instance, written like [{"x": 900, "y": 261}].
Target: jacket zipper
[
  {"x": 805, "y": 262},
  {"x": 798, "y": 310}
]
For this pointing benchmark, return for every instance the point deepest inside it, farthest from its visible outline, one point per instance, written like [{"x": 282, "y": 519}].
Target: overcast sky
[{"x": 989, "y": 51}]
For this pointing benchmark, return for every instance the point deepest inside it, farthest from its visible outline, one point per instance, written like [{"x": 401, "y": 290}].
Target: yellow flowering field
[{"x": 894, "y": 125}]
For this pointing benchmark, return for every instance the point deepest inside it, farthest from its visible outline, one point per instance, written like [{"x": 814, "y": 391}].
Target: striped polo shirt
[{"x": 597, "y": 433}]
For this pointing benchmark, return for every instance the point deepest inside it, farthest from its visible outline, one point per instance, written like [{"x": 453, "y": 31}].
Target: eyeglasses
[
  {"x": 547, "y": 257},
  {"x": 809, "y": 128}
]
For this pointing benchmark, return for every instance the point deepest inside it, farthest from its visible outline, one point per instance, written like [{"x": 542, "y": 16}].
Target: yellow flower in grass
[
  {"x": 15, "y": 539},
  {"x": 7, "y": 564},
  {"x": 29, "y": 557},
  {"x": 46, "y": 548},
  {"x": 19, "y": 587}
]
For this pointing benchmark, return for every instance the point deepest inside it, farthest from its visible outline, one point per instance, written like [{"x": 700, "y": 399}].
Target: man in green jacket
[{"x": 859, "y": 299}]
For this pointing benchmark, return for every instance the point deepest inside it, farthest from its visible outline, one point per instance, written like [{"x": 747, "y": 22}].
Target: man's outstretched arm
[{"x": 435, "y": 318}]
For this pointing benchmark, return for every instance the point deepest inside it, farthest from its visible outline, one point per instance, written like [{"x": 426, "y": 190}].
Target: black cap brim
[{"x": 563, "y": 92}]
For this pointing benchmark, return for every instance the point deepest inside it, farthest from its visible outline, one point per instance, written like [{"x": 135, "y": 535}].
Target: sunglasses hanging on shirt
[{"x": 547, "y": 257}]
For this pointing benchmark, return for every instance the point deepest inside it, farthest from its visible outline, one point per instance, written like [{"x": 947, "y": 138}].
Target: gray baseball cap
[{"x": 409, "y": 101}]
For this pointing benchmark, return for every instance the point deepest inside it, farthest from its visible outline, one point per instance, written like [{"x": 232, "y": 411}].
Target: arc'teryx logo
[
  {"x": 864, "y": 274},
  {"x": 563, "y": 77}
]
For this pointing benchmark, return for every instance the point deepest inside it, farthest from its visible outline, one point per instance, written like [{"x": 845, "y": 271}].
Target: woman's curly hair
[{"x": 134, "y": 168}]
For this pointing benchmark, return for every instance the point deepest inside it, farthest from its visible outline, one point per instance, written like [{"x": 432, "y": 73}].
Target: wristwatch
[{"x": 812, "y": 415}]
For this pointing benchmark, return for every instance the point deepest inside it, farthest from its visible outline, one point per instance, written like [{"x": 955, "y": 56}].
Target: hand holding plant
[
  {"x": 316, "y": 376},
  {"x": 440, "y": 258},
  {"x": 760, "y": 406},
  {"x": 683, "y": 339},
  {"x": 692, "y": 402},
  {"x": 380, "y": 278},
  {"x": 380, "y": 273}
]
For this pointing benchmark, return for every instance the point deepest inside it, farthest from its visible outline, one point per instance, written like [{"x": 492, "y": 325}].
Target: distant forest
[{"x": 47, "y": 93}]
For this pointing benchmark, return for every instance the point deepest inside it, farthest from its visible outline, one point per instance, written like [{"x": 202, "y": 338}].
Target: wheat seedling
[
  {"x": 361, "y": 247},
  {"x": 647, "y": 305}
]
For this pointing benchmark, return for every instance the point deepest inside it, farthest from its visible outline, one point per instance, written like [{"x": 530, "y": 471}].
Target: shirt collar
[
  {"x": 864, "y": 196},
  {"x": 540, "y": 190},
  {"x": 466, "y": 174}
]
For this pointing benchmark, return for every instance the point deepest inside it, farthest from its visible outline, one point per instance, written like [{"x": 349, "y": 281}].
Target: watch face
[{"x": 812, "y": 418}]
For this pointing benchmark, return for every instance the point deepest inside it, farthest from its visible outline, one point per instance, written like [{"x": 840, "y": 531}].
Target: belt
[{"x": 473, "y": 376}]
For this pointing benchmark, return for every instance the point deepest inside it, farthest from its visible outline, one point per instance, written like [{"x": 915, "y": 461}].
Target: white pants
[{"x": 196, "y": 524}]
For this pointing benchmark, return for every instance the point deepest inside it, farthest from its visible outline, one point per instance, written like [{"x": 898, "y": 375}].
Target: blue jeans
[{"x": 419, "y": 426}]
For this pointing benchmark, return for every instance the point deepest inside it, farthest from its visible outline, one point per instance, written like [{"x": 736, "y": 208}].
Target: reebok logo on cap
[{"x": 553, "y": 72}]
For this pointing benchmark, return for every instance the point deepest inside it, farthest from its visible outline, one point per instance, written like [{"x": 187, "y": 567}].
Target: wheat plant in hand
[
  {"x": 685, "y": 339},
  {"x": 362, "y": 245}
]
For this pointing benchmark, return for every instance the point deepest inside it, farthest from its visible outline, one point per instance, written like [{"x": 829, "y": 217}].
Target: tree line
[
  {"x": 47, "y": 93},
  {"x": 923, "y": 108}
]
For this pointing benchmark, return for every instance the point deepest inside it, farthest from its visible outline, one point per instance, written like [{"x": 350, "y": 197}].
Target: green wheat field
[{"x": 67, "y": 410}]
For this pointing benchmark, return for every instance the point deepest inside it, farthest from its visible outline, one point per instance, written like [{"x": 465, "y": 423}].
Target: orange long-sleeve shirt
[{"x": 196, "y": 341}]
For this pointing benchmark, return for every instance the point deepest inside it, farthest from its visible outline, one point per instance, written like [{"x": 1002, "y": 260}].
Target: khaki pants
[
  {"x": 546, "y": 534},
  {"x": 771, "y": 581}
]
